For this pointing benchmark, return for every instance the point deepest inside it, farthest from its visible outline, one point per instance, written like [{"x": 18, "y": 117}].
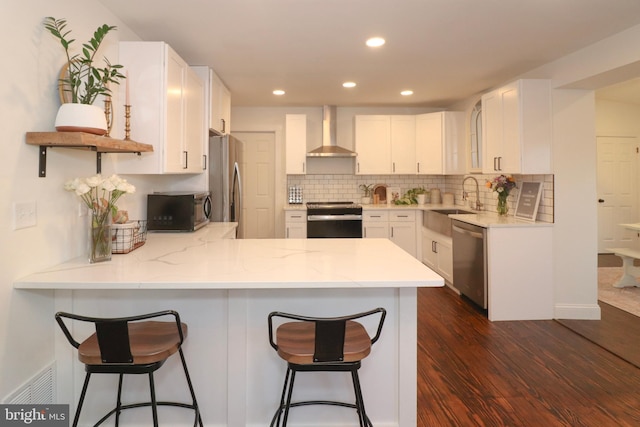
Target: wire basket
[{"x": 128, "y": 236}]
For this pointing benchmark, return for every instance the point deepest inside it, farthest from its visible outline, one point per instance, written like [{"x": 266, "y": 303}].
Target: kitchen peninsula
[{"x": 224, "y": 289}]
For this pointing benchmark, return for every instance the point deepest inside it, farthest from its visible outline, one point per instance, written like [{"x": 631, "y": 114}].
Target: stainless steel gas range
[{"x": 334, "y": 220}]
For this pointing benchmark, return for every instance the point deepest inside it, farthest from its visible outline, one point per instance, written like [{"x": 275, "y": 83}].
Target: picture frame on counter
[{"x": 528, "y": 200}]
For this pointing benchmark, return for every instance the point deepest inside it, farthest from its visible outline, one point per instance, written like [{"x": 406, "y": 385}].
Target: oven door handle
[{"x": 334, "y": 217}]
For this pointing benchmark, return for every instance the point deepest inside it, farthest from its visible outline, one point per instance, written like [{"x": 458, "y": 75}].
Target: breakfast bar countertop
[{"x": 204, "y": 260}]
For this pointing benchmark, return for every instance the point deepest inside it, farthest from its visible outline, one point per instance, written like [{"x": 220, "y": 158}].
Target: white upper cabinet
[
  {"x": 516, "y": 126},
  {"x": 296, "y": 143},
  {"x": 440, "y": 143},
  {"x": 195, "y": 122},
  {"x": 167, "y": 110},
  {"x": 385, "y": 144},
  {"x": 403, "y": 144},
  {"x": 220, "y": 110},
  {"x": 373, "y": 144}
]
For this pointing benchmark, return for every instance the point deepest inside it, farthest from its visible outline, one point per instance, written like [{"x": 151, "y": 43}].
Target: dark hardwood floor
[{"x": 472, "y": 372}]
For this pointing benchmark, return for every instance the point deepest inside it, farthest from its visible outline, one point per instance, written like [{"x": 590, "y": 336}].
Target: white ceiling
[{"x": 444, "y": 50}]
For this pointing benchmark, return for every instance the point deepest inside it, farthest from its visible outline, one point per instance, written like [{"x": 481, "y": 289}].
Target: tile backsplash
[{"x": 346, "y": 188}]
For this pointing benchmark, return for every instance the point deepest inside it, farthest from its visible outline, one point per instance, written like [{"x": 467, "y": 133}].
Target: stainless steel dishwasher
[{"x": 470, "y": 261}]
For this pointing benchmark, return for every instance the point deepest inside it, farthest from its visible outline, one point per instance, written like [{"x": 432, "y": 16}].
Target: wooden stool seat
[
  {"x": 296, "y": 342},
  {"x": 150, "y": 342}
]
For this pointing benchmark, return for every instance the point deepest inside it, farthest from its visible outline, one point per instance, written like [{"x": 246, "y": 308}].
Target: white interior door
[
  {"x": 258, "y": 180},
  {"x": 617, "y": 191}
]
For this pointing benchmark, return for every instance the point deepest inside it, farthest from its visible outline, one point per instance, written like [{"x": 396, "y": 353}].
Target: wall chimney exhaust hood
[{"x": 329, "y": 146}]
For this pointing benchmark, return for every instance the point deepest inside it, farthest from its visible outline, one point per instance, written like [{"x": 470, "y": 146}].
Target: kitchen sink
[
  {"x": 438, "y": 219},
  {"x": 451, "y": 211}
]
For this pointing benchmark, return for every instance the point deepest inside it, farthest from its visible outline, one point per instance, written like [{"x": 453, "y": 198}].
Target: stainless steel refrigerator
[{"x": 225, "y": 180}]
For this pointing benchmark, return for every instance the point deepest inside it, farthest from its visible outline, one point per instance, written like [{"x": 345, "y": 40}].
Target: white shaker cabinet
[
  {"x": 398, "y": 226},
  {"x": 296, "y": 143},
  {"x": 373, "y": 144},
  {"x": 437, "y": 253},
  {"x": 375, "y": 224},
  {"x": 220, "y": 110},
  {"x": 385, "y": 144},
  {"x": 296, "y": 224},
  {"x": 167, "y": 110},
  {"x": 403, "y": 144},
  {"x": 516, "y": 127},
  {"x": 440, "y": 143},
  {"x": 402, "y": 230}
]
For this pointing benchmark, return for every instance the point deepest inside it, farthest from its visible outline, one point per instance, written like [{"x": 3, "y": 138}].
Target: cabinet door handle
[
  {"x": 434, "y": 246},
  {"x": 224, "y": 125},
  {"x": 358, "y": 167},
  {"x": 495, "y": 162},
  {"x": 499, "y": 163},
  {"x": 287, "y": 233},
  {"x": 303, "y": 165},
  {"x": 418, "y": 167},
  {"x": 364, "y": 232},
  {"x": 392, "y": 232},
  {"x": 394, "y": 167},
  {"x": 204, "y": 162},
  {"x": 186, "y": 160}
]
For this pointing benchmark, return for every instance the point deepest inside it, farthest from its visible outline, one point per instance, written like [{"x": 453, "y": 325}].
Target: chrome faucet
[{"x": 465, "y": 195}]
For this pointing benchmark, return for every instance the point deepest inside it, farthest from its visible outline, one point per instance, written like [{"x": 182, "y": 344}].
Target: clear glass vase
[
  {"x": 100, "y": 237},
  {"x": 502, "y": 207}
]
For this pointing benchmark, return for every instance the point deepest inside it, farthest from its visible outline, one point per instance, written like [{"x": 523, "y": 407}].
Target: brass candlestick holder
[
  {"x": 108, "y": 113},
  {"x": 127, "y": 122}
]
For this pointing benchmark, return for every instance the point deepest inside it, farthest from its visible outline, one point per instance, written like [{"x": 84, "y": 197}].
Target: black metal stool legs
[
  {"x": 154, "y": 404},
  {"x": 81, "y": 400},
  {"x": 198, "y": 417},
  {"x": 362, "y": 415},
  {"x": 119, "y": 399},
  {"x": 287, "y": 392}
]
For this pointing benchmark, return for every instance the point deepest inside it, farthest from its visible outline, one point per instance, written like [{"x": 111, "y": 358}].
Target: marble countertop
[
  {"x": 485, "y": 219},
  {"x": 204, "y": 260}
]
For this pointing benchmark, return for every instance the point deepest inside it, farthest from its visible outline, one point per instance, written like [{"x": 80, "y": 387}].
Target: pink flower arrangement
[{"x": 502, "y": 185}]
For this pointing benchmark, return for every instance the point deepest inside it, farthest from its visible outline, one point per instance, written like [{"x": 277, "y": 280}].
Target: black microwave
[{"x": 178, "y": 210}]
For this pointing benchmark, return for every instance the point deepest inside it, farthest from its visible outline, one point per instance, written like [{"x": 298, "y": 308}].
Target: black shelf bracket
[{"x": 42, "y": 163}]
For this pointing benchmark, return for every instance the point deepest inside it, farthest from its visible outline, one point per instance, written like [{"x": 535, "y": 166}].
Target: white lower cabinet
[
  {"x": 437, "y": 253},
  {"x": 375, "y": 224},
  {"x": 399, "y": 227},
  {"x": 295, "y": 225}
]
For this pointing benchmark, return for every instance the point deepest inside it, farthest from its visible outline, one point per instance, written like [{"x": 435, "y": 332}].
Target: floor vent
[{"x": 38, "y": 390}]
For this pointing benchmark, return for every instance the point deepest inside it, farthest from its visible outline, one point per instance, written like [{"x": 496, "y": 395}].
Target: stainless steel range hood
[{"x": 329, "y": 146}]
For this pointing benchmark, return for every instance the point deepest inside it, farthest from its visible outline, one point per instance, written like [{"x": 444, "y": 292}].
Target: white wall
[
  {"x": 28, "y": 102},
  {"x": 32, "y": 59}
]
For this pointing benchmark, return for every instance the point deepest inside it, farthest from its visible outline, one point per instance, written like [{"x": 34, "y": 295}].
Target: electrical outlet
[{"x": 24, "y": 215}]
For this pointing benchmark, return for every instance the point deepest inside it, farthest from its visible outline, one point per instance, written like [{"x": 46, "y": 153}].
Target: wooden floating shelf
[{"x": 84, "y": 141}]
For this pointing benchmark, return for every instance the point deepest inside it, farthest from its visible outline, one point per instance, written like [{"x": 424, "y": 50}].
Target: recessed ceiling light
[
  {"x": 375, "y": 42},
  {"x": 406, "y": 92},
  {"x": 278, "y": 92},
  {"x": 349, "y": 84}
]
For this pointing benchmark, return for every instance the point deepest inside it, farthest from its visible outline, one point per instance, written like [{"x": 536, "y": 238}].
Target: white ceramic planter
[{"x": 81, "y": 118}]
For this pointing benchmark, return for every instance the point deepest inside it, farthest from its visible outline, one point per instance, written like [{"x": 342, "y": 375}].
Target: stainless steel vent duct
[{"x": 329, "y": 146}]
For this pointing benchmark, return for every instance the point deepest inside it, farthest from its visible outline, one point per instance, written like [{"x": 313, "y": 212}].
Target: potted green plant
[
  {"x": 82, "y": 81},
  {"x": 418, "y": 195},
  {"x": 368, "y": 191}
]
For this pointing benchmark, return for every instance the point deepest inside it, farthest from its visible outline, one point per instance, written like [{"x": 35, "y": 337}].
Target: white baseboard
[{"x": 577, "y": 311}]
